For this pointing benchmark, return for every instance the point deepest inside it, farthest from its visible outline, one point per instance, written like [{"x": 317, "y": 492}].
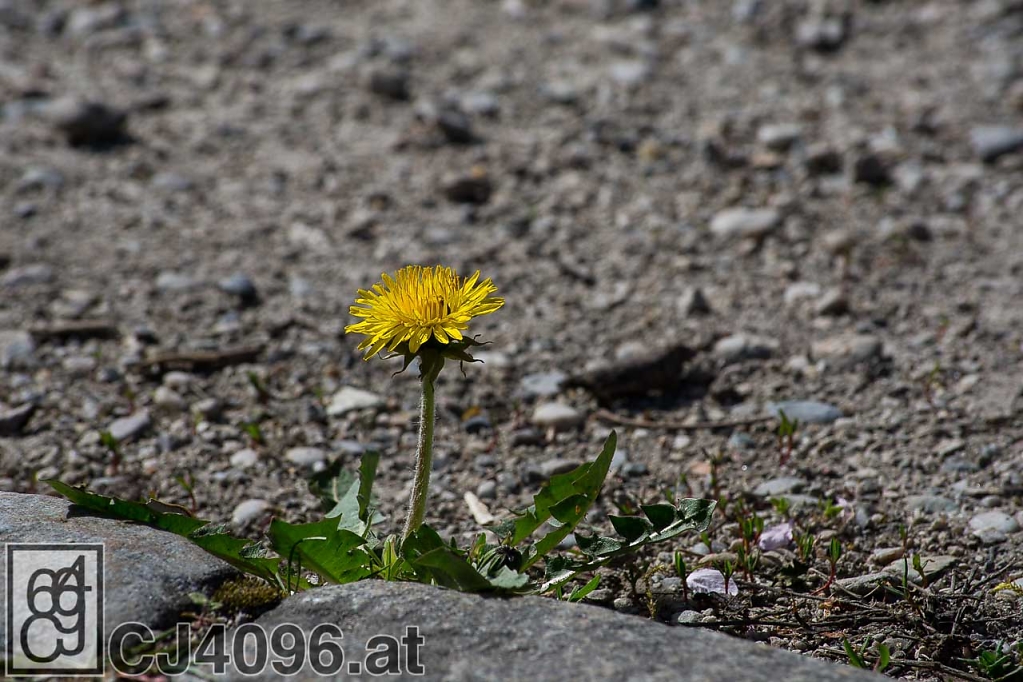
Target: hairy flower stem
[{"x": 429, "y": 370}]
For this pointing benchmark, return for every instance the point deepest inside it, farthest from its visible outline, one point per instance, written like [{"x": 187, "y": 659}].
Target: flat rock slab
[
  {"x": 469, "y": 637},
  {"x": 148, "y": 573}
]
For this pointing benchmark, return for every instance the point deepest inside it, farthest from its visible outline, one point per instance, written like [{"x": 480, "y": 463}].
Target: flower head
[{"x": 419, "y": 305}]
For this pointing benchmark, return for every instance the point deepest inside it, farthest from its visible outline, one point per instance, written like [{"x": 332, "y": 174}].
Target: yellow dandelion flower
[{"x": 419, "y": 304}]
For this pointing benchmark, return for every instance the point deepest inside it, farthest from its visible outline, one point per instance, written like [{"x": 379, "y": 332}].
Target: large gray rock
[
  {"x": 148, "y": 573},
  {"x": 469, "y": 637}
]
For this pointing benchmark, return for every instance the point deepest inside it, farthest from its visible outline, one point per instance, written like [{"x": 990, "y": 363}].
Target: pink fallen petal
[
  {"x": 776, "y": 537},
  {"x": 710, "y": 580}
]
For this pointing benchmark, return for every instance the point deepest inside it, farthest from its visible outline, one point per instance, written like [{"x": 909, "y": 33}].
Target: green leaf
[
  {"x": 236, "y": 551},
  {"x": 350, "y": 494},
  {"x": 211, "y": 537},
  {"x": 367, "y": 475},
  {"x": 435, "y": 562},
  {"x": 179, "y": 524},
  {"x": 580, "y": 593},
  {"x": 331, "y": 484},
  {"x": 660, "y": 515},
  {"x": 630, "y": 527},
  {"x": 509, "y": 580},
  {"x": 566, "y": 498},
  {"x": 333, "y": 552},
  {"x": 854, "y": 657},
  {"x": 884, "y": 657},
  {"x": 688, "y": 515}
]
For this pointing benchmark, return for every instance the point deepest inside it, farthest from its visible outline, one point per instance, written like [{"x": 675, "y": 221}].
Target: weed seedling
[
  {"x": 998, "y": 665},
  {"x": 857, "y": 659},
  {"x": 786, "y": 436},
  {"x": 259, "y": 386},
  {"x": 254, "y": 433},
  {"x": 682, "y": 571},
  {"x": 834, "y": 553},
  {"x": 111, "y": 444},
  {"x": 187, "y": 481}
]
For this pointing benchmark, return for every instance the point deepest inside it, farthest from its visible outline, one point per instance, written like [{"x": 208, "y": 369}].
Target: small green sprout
[
  {"x": 682, "y": 572},
  {"x": 786, "y": 436},
  {"x": 857, "y": 659},
  {"x": 108, "y": 441}
]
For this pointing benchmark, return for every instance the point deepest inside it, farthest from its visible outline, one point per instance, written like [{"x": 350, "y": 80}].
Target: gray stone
[
  {"x": 392, "y": 83},
  {"x": 693, "y": 302},
  {"x": 871, "y": 169},
  {"x": 470, "y": 637},
  {"x": 882, "y": 556},
  {"x": 173, "y": 282},
  {"x": 848, "y": 349},
  {"x": 27, "y": 275},
  {"x": 865, "y": 584},
  {"x": 209, "y": 409},
  {"x": 806, "y": 411},
  {"x": 241, "y": 286},
  {"x": 931, "y": 504},
  {"x": 245, "y": 459},
  {"x": 350, "y": 398},
  {"x": 799, "y": 292},
  {"x": 823, "y": 34},
  {"x": 36, "y": 179},
  {"x": 833, "y": 302},
  {"x": 689, "y": 618},
  {"x": 993, "y": 526},
  {"x": 168, "y": 181},
  {"x": 558, "y": 416},
  {"x": 148, "y": 573},
  {"x": 779, "y": 136},
  {"x": 542, "y": 384},
  {"x": 560, "y": 92},
  {"x": 741, "y": 441},
  {"x": 933, "y": 566},
  {"x": 558, "y": 465},
  {"x": 84, "y": 21},
  {"x": 456, "y": 126},
  {"x": 753, "y": 223},
  {"x": 822, "y": 159},
  {"x": 13, "y": 421},
  {"x": 306, "y": 457},
  {"x": 248, "y": 511},
  {"x": 86, "y": 123},
  {"x": 17, "y": 350},
  {"x": 127, "y": 429},
  {"x": 629, "y": 72},
  {"x": 168, "y": 401},
  {"x": 992, "y": 142},
  {"x": 740, "y": 347},
  {"x": 482, "y": 103},
  {"x": 779, "y": 486},
  {"x": 487, "y": 490}
]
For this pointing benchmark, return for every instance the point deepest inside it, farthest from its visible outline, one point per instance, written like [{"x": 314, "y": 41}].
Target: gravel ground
[{"x": 820, "y": 200}]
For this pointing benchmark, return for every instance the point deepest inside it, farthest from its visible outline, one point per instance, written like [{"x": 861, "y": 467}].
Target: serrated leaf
[
  {"x": 211, "y": 537},
  {"x": 322, "y": 547},
  {"x": 689, "y": 514},
  {"x": 660, "y": 515},
  {"x": 128, "y": 511},
  {"x": 630, "y": 527},
  {"x": 564, "y": 499},
  {"x": 509, "y": 580},
  {"x": 236, "y": 552}
]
